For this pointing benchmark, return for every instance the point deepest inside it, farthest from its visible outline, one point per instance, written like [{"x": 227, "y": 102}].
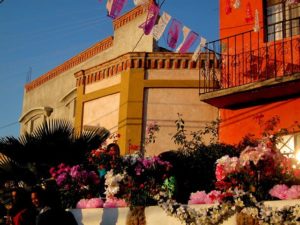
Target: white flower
[{"x": 112, "y": 183}]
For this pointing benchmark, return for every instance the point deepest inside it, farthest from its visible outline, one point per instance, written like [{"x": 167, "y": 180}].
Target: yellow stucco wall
[
  {"x": 146, "y": 96},
  {"x": 54, "y": 90},
  {"x": 102, "y": 112},
  {"x": 163, "y": 106}
]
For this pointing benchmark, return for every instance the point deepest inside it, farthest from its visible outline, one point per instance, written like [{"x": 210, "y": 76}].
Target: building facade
[
  {"x": 260, "y": 65},
  {"x": 122, "y": 83}
]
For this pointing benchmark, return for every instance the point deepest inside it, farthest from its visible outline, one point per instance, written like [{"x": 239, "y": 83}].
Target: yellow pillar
[
  {"x": 131, "y": 108},
  {"x": 79, "y": 101}
]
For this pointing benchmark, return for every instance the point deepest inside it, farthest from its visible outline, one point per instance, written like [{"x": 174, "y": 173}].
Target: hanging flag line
[{"x": 114, "y": 8}]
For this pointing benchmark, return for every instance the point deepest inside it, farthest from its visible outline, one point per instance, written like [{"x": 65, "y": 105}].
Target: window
[
  {"x": 282, "y": 19},
  {"x": 289, "y": 145}
]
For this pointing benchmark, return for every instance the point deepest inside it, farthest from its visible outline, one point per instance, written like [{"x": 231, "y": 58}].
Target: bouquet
[
  {"x": 139, "y": 180},
  {"x": 75, "y": 183},
  {"x": 257, "y": 170}
]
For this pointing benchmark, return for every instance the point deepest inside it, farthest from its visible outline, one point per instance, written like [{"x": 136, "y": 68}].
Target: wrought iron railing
[{"x": 247, "y": 58}]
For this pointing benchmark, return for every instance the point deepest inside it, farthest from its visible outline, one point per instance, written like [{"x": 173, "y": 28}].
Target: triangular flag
[
  {"x": 173, "y": 33},
  {"x": 198, "y": 49},
  {"x": 109, "y": 4},
  {"x": 159, "y": 28},
  {"x": 153, "y": 13},
  {"x": 114, "y": 7},
  {"x": 185, "y": 32},
  {"x": 140, "y": 2},
  {"x": 191, "y": 38}
]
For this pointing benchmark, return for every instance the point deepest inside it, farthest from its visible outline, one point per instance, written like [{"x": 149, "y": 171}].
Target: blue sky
[{"x": 36, "y": 36}]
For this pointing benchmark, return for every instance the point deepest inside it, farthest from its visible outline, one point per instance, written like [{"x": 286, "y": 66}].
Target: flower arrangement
[
  {"x": 75, "y": 183},
  {"x": 138, "y": 181},
  {"x": 256, "y": 170},
  {"x": 101, "y": 159},
  {"x": 238, "y": 202}
]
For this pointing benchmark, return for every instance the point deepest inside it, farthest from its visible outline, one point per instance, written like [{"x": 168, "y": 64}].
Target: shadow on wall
[
  {"x": 78, "y": 216},
  {"x": 97, "y": 216},
  {"x": 109, "y": 216}
]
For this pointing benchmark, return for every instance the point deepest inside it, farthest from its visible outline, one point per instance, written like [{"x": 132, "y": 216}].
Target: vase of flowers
[
  {"x": 256, "y": 170},
  {"x": 139, "y": 179},
  {"x": 75, "y": 183},
  {"x": 245, "y": 219}
]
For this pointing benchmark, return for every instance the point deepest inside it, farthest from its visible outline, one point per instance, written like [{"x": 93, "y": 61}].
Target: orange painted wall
[
  {"x": 234, "y": 23},
  {"x": 237, "y": 123}
]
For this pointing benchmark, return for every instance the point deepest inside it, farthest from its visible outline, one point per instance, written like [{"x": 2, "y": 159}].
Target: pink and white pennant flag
[
  {"x": 198, "y": 49},
  {"x": 159, "y": 28},
  {"x": 114, "y": 7},
  {"x": 185, "y": 32},
  {"x": 173, "y": 33},
  {"x": 189, "y": 37},
  {"x": 153, "y": 13},
  {"x": 140, "y": 2}
]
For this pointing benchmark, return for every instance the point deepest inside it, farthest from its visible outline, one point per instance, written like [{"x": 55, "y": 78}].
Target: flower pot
[
  {"x": 244, "y": 219},
  {"x": 136, "y": 216}
]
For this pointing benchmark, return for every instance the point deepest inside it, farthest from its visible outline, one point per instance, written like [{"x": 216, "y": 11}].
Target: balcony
[{"x": 252, "y": 71}]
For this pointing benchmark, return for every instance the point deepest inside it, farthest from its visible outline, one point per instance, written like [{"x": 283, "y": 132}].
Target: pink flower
[
  {"x": 81, "y": 204},
  {"x": 297, "y": 173},
  {"x": 61, "y": 179},
  {"x": 199, "y": 197},
  {"x": 94, "y": 203},
  {"x": 75, "y": 171},
  {"x": 214, "y": 197},
  {"x": 94, "y": 177},
  {"x": 279, "y": 191},
  {"x": 226, "y": 166},
  {"x": 114, "y": 203},
  {"x": 293, "y": 192},
  {"x": 52, "y": 171},
  {"x": 220, "y": 172}
]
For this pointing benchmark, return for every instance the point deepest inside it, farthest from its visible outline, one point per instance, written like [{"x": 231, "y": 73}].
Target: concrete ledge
[{"x": 154, "y": 215}]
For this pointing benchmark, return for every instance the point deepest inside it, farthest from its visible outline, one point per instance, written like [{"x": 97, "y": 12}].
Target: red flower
[{"x": 297, "y": 173}]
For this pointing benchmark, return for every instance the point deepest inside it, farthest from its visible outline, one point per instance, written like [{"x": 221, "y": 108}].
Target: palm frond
[
  {"x": 11, "y": 170},
  {"x": 50, "y": 144}
]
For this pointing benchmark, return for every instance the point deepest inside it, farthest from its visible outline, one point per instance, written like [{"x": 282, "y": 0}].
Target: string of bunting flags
[{"x": 176, "y": 28}]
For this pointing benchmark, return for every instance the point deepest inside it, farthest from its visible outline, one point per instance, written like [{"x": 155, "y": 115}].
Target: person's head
[
  {"x": 38, "y": 197},
  {"x": 113, "y": 149},
  {"x": 20, "y": 199}
]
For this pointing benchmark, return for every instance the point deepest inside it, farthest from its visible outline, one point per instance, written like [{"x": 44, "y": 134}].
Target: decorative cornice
[
  {"x": 74, "y": 61},
  {"x": 140, "y": 60},
  {"x": 129, "y": 16},
  {"x": 46, "y": 110}
]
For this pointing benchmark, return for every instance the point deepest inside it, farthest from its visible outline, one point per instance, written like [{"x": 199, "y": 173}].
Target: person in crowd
[
  {"x": 49, "y": 208},
  {"x": 22, "y": 211},
  {"x": 3, "y": 213},
  {"x": 113, "y": 150}
]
